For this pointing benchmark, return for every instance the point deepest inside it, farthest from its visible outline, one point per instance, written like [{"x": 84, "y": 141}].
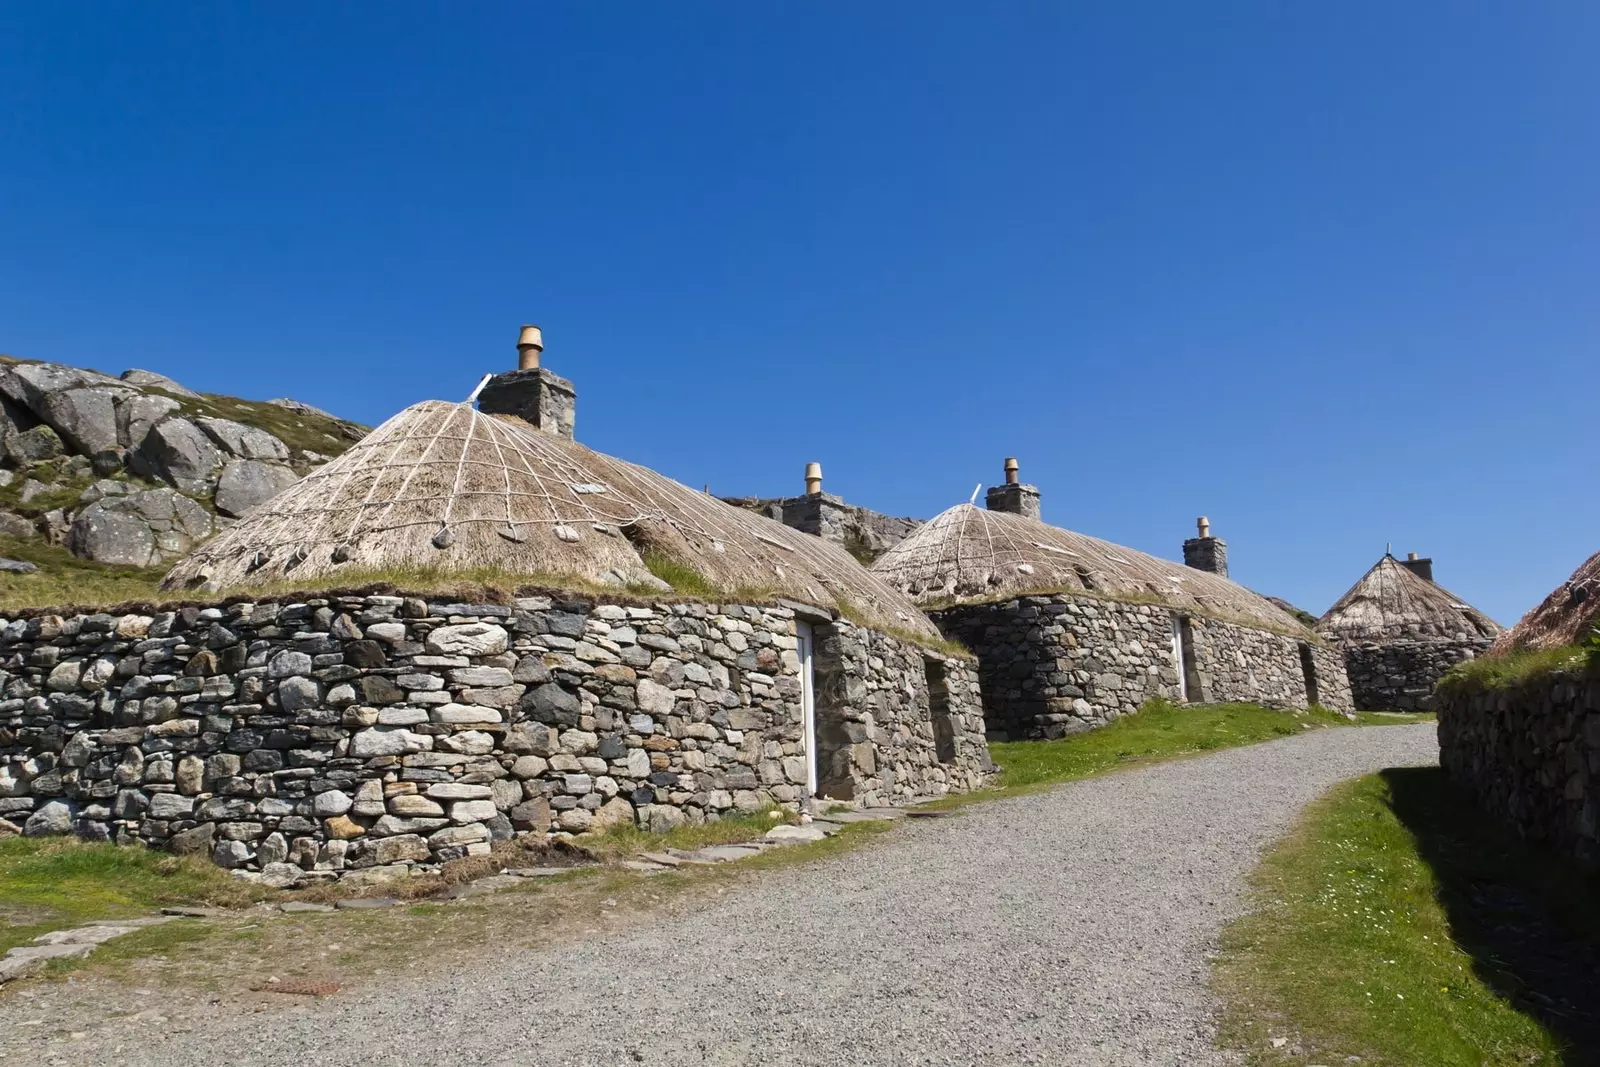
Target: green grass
[
  {"x": 1398, "y": 924},
  {"x": 63, "y": 579},
  {"x": 685, "y": 580},
  {"x": 1159, "y": 731},
  {"x": 1500, "y": 672},
  {"x": 53, "y": 883}
]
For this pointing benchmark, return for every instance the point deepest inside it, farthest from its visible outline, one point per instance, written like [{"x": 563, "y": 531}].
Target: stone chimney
[
  {"x": 1422, "y": 568},
  {"x": 1206, "y": 553},
  {"x": 1013, "y": 496},
  {"x": 544, "y": 400}
]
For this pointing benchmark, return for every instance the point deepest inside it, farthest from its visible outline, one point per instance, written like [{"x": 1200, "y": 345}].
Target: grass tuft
[{"x": 1502, "y": 672}]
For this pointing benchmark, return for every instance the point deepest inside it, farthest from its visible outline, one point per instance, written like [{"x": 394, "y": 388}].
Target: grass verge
[
  {"x": 63, "y": 578},
  {"x": 1398, "y": 925},
  {"x": 1158, "y": 732},
  {"x": 51, "y": 883}
]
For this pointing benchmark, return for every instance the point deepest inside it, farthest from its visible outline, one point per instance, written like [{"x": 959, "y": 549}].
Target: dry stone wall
[
  {"x": 1238, "y": 663},
  {"x": 310, "y": 738},
  {"x": 1400, "y": 675},
  {"x": 1053, "y": 665},
  {"x": 1530, "y": 752}
]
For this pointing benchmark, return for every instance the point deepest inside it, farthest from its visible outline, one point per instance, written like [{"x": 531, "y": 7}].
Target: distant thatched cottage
[
  {"x": 1072, "y": 632},
  {"x": 683, "y": 661},
  {"x": 1400, "y": 632}
]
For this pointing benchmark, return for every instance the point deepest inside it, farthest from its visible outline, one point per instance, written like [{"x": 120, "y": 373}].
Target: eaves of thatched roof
[
  {"x": 1390, "y": 603},
  {"x": 445, "y": 488},
  {"x": 1565, "y": 617},
  {"x": 968, "y": 554}
]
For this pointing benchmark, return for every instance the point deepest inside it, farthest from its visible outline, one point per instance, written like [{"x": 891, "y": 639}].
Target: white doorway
[{"x": 808, "y": 701}]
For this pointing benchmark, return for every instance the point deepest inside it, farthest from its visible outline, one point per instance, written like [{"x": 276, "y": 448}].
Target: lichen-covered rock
[
  {"x": 179, "y": 453},
  {"x": 34, "y": 445},
  {"x": 86, "y": 419},
  {"x": 139, "y": 529},
  {"x": 245, "y": 442},
  {"x": 246, "y": 483}
]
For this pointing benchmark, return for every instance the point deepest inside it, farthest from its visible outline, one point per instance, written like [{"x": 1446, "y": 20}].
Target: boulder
[
  {"x": 179, "y": 453},
  {"x": 146, "y": 379},
  {"x": 136, "y": 414},
  {"x": 140, "y": 529},
  {"x": 14, "y": 525},
  {"x": 33, "y": 445},
  {"x": 31, "y": 384},
  {"x": 86, "y": 419},
  {"x": 298, "y": 408},
  {"x": 248, "y": 482},
  {"x": 54, "y": 818},
  {"x": 243, "y": 441}
]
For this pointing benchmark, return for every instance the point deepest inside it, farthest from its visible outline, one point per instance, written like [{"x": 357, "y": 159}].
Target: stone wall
[
  {"x": 333, "y": 734},
  {"x": 1531, "y": 753},
  {"x": 1238, "y": 663},
  {"x": 1057, "y": 664},
  {"x": 1400, "y": 675}
]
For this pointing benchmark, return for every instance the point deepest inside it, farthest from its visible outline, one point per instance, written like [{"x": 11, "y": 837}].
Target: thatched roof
[
  {"x": 967, "y": 553},
  {"x": 1391, "y": 603},
  {"x": 1565, "y": 617},
  {"x": 443, "y": 487}
]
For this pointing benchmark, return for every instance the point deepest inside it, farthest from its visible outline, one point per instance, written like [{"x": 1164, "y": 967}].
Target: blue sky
[{"x": 1325, "y": 273}]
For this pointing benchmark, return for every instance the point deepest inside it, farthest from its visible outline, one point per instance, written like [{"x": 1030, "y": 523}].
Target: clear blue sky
[{"x": 1324, "y": 272}]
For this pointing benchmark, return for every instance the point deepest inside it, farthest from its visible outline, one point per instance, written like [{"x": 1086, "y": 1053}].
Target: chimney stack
[
  {"x": 1422, "y": 568},
  {"x": 1206, "y": 553},
  {"x": 813, "y": 479},
  {"x": 1014, "y": 496},
  {"x": 545, "y": 401}
]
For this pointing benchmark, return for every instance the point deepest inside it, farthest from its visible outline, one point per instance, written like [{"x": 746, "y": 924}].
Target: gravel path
[{"x": 1069, "y": 927}]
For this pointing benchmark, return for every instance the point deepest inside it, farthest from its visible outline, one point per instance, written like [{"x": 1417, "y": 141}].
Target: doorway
[
  {"x": 1190, "y": 687},
  {"x": 1308, "y": 667},
  {"x": 808, "y": 700}
]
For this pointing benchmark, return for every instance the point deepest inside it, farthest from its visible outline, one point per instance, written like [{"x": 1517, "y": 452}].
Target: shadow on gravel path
[{"x": 1527, "y": 918}]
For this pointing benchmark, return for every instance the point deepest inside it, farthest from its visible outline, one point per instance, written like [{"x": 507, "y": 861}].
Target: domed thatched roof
[
  {"x": 1563, "y": 618},
  {"x": 967, "y": 553},
  {"x": 444, "y": 487},
  {"x": 1390, "y": 603}
]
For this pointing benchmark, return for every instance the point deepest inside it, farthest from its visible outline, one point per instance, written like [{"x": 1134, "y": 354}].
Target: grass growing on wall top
[
  {"x": 1499, "y": 672},
  {"x": 1398, "y": 925}
]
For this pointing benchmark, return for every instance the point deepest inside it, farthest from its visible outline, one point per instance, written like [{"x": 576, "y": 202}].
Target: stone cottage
[
  {"x": 1072, "y": 632},
  {"x": 1400, "y": 632},
  {"x": 667, "y": 659}
]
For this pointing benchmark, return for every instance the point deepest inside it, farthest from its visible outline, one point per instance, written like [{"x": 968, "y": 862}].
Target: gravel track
[{"x": 1069, "y": 927}]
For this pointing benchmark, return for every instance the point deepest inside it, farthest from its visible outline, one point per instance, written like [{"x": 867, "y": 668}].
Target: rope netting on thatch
[
  {"x": 1565, "y": 617},
  {"x": 967, "y": 553},
  {"x": 1390, "y": 603},
  {"x": 443, "y": 487}
]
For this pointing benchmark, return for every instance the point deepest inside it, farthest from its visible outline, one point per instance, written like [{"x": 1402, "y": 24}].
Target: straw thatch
[
  {"x": 967, "y": 553},
  {"x": 1563, "y": 618},
  {"x": 445, "y": 488},
  {"x": 1391, "y": 603}
]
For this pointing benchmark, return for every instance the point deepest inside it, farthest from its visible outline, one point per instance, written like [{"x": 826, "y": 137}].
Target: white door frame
[
  {"x": 808, "y": 702},
  {"x": 1177, "y": 656}
]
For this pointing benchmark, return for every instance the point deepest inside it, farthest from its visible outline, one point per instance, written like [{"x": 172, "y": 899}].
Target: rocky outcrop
[{"x": 166, "y": 459}]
